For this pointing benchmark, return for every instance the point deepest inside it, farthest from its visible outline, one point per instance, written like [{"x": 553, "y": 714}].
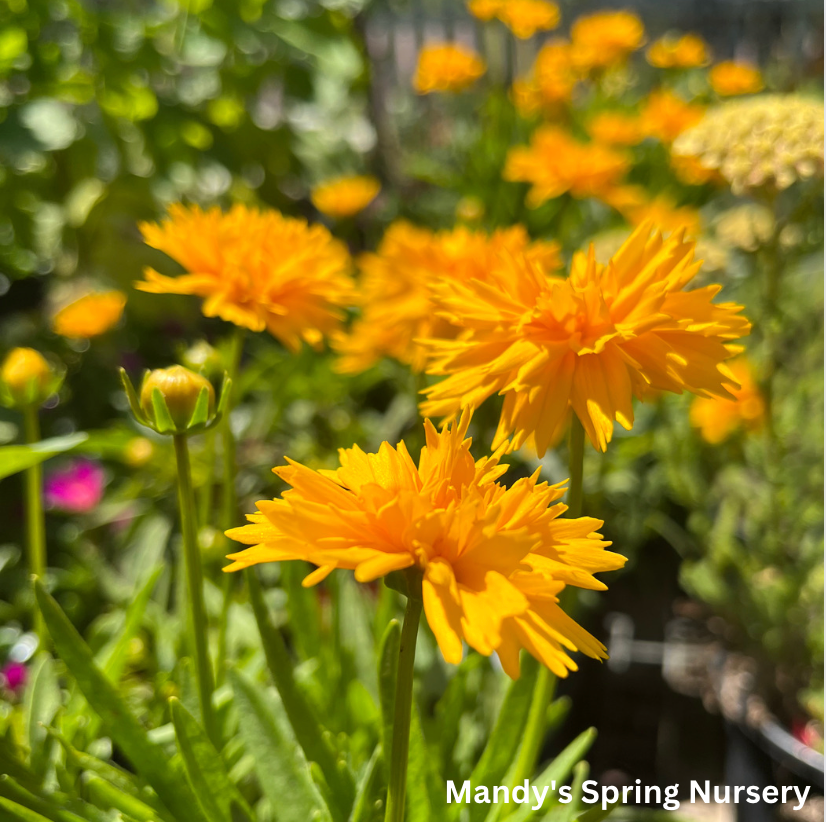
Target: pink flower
[
  {"x": 76, "y": 489},
  {"x": 14, "y": 675}
]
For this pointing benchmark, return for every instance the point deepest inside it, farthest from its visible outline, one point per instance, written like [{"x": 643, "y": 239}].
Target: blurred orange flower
[
  {"x": 605, "y": 39},
  {"x": 664, "y": 213},
  {"x": 492, "y": 560},
  {"x": 719, "y": 418},
  {"x": 584, "y": 345},
  {"x": 396, "y": 282},
  {"x": 89, "y": 316},
  {"x": 688, "y": 51},
  {"x": 345, "y": 196},
  {"x": 447, "y": 67},
  {"x": 485, "y": 10},
  {"x": 526, "y": 17},
  {"x": 732, "y": 78},
  {"x": 257, "y": 269},
  {"x": 556, "y": 163},
  {"x": 616, "y": 128},
  {"x": 690, "y": 170},
  {"x": 550, "y": 82},
  {"x": 666, "y": 116}
]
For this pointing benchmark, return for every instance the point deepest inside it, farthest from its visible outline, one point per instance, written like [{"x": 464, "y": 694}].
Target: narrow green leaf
[
  {"x": 370, "y": 790},
  {"x": 201, "y": 412},
  {"x": 219, "y": 797},
  {"x": 13, "y": 792},
  {"x": 419, "y": 804},
  {"x": 15, "y": 458},
  {"x": 282, "y": 769},
  {"x": 105, "y": 795},
  {"x": 148, "y": 758},
  {"x": 41, "y": 702},
  {"x": 304, "y": 724},
  {"x": 163, "y": 419},
  {"x": 132, "y": 396},
  {"x": 388, "y": 662},
  {"x": 558, "y": 712},
  {"x": 20, "y": 814},
  {"x": 304, "y": 611},
  {"x": 356, "y": 632}
]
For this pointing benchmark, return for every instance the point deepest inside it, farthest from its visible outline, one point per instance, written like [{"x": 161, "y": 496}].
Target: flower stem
[
  {"x": 576, "y": 455},
  {"x": 35, "y": 521},
  {"x": 197, "y": 624},
  {"x": 403, "y": 703}
]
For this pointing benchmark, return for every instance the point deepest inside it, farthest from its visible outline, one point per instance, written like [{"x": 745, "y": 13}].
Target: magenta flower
[
  {"x": 14, "y": 675},
  {"x": 76, "y": 489}
]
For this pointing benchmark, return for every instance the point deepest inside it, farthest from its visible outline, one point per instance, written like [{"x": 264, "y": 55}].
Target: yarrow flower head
[
  {"x": 686, "y": 51},
  {"x": 447, "y": 67},
  {"x": 255, "y": 268},
  {"x": 555, "y": 163},
  {"x": 718, "y": 418},
  {"x": 90, "y": 316},
  {"x": 492, "y": 560},
  {"x": 345, "y": 196},
  {"x": 606, "y": 38},
  {"x": 769, "y": 141},
  {"x": 731, "y": 78},
  {"x": 397, "y": 280},
  {"x": 584, "y": 345}
]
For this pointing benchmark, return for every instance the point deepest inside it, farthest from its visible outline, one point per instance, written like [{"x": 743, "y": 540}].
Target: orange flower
[
  {"x": 526, "y": 17},
  {"x": 688, "y": 51},
  {"x": 605, "y": 39},
  {"x": 719, "y": 418},
  {"x": 492, "y": 559},
  {"x": 732, "y": 78},
  {"x": 664, "y": 213},
  {"x": 447, "y": 67},
  {"x": 691, "y": 171},
  {"x": 556, "y": 163},
  {"x": 666, "y": 116},
  {"x": 90, "y": 316},
  {"x": 257, "y": 269},
  {"x": 586, "y": 344},
  {"x": 345, "y": 196},
  {"x": 396, "y": 284},
  {"x": 485, "y": 10},
  {"x": 616, "y": 128},
  {"x": 550, "y": 82}
]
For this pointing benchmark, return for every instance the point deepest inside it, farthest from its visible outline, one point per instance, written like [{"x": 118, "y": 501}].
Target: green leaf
[
  {"x": 13, "y": 792},
  {"x": 305, "y": 615},
  {"x": 356, "y": 632},
  {"x": 105, "y": 795},
  {"x": 304, "y": 724},
  {"x": 132, "y": 396},
  {"x": 388, "y": 667},
  {"x": 163, "y": 421},
  {"x": 220, "y": 799},
  {"x": 16, "y": 458},
  {"x": 419, "y": 804},
  {"x": 41, "y": 703},
  {"x": 282, "y": 769},
  {"x": 370, "y": 790},
  {"x": 596, "y": 814},
  {"x": 149, "y": 759},
  {"x": 21, "y": 814}
]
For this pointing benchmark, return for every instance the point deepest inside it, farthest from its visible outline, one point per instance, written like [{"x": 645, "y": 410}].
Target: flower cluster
[
  {"x": 257, "y": 269},
  {"x": 686, "y": 51},
  {"x": 397, "y": 280},
  {"x": 586, "y": 344},
  {"x": 493, "y": 560},
  {"x": 767, "y": 141},
  {"x": 447, "y": 67}
]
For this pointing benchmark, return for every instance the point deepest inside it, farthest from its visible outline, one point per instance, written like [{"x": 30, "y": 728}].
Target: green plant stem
[
  {"x": 403, "y": 702},
  {"x": 546, "y": 681},
  {"x": 35, "y": 520},
  {"x": 197, "y": 624}
]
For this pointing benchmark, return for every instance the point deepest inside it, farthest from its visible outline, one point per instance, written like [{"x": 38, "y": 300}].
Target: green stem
[
  {"x": 35, "y": 520},
  {"x": 545, "y": 681},
  {"x": 197, "y": 624},
  {"x": 403, "y": 703}
]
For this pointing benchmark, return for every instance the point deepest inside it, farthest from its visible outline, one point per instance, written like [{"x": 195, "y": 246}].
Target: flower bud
[
  {"x": 26, "y": 377},
  {"x": 180, "y": 389}
]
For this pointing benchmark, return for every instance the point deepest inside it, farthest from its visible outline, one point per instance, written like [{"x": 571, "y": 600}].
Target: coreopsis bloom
[
  {"x": 555, "y": 163},
  {"x": 493, "y": 559},
  {"x": 90, "y": 316},
  {"x": 664, "y": 213},
  {"x": 255, "y": 268},
  {"x": 26, "y": 378},
  {"x": 665, "y": 115},
  {"x": 485, "y": 10},
  {"x": 397, "y": 280},
  {"x": 447, "y": 67},
  {"x": 550, "y": 82},
  {"x": 76, "y": 488},
  {"x": 616, "y": 128},
  {"x": 345, "y": 196},
  {"x": 605, "y": 39},
  {"x": 718, "y": 418},
  {"x": 769, "y": 141},
  {"x": 526, "y": 17},
  {"x": 731, "y": 78},
  {"x": 687, "y": 51},
  {"x": 691, "y": 171},
  {"x": 585, "y": 345}
]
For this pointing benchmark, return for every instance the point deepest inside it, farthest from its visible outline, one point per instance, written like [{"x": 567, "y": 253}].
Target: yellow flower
[
  {"x": 664, "y": 213},
  {"x": 605, "y": 39},
  {"x": 493, "y": 559},
  {"x": 666, "y": 116},
  {"x": 397, "y": 279},
  {"x": 556, "y": 163},
  {"x": 551, "y": 81},
  {"x": 526, "y": 17},
  {"x": 180, "y": 389},
  {"x": 731, "y": 78},
  {"x": 256, "y": 269},
  {"x": 586, "y": 344},
  {"x": 688, "y": 51},
  {"x": 616, "y": 128},
  {"x": 447, "y": 67},
  {"x": 26, "y": 377},
  {"x": 345, "y": 196},
  {"x": 485, "y": 10},
  {"x": 768, "y": 141},
  {"x": 719, "y": 418},
  {"x": 691, "y": 171},
  {"x": 90, "y": 316}
]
